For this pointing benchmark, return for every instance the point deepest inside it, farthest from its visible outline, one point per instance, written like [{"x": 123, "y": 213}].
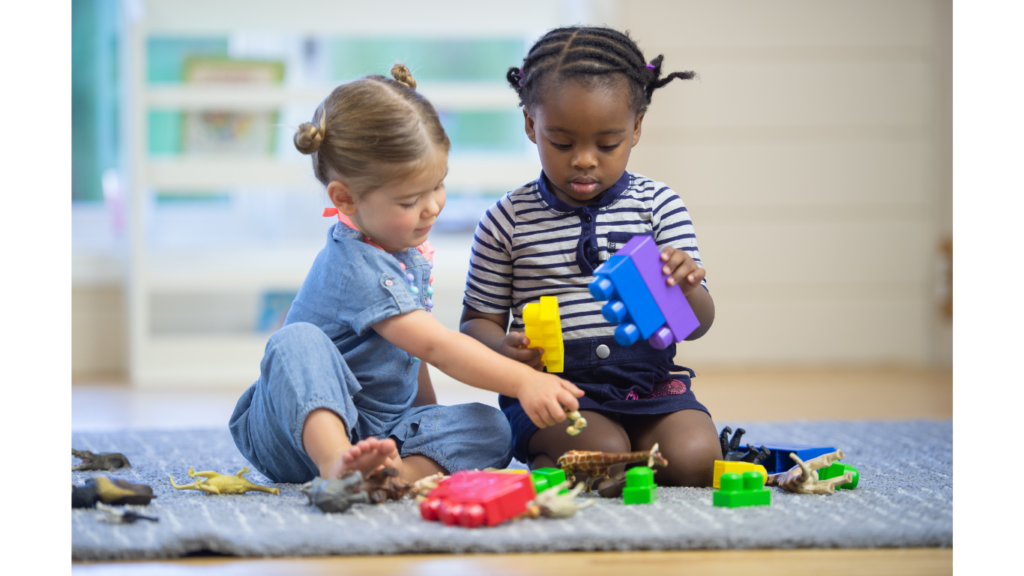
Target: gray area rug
[{"x": 905, "y": 499}]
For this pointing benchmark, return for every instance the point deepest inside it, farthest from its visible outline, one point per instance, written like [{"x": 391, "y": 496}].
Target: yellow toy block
[
  {"x": 544, "y": 329},
  {"x": 723, "y": 467}
]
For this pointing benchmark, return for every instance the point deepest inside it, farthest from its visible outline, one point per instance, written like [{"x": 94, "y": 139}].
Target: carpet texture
[{"x": 905, "y": 499}]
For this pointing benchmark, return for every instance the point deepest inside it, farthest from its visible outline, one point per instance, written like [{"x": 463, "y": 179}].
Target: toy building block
[
  {"x": 472, "y": 498},
  {"x": 544, "y": 478},
  {"x": 738, "y": 491},
  {"x": 640, "y": 487},
  {"x": 725, "y": 467},
  {"x": 680, "y": 321},
  {"x": 630, "y": 304},
  {"x": 838, "y": 469},
  {"x": 779, "y": 460},
  {"x": 544, "y": 329}
]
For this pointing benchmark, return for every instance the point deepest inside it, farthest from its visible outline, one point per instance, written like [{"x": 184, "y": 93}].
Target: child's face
[
  {"x": 584, "y": 136},
  {"x": 399, "y": 215}
]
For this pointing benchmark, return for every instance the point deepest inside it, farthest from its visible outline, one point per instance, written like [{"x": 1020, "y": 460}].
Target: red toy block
[
  {"x": 679, "y": 317},
  {"x": 473, "y": 498}
]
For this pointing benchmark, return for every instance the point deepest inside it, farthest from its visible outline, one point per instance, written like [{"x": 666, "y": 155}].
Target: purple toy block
[{"x": 679, "y": 317}]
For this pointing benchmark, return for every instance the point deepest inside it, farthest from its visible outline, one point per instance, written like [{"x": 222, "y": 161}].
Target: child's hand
[
  {"x": 681, "y": 269},
  {"x": 514, "y": 347},
  {"x": 546, "y": 398}
]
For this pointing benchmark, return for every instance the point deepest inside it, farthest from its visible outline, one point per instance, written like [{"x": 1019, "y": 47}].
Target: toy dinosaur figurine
[
  {"x": 731, "y": 454},
  {"x": 803, "y": 478},
  {"x": 554, "y": 505},
  {"x": 217, "y": 483},
  {"x": 422, "y": 487},
  {"x": 120, "y": 515},
  {"x": 103, "y": 489},
  {"x": 596, "y": 464},
  {"x": 336, "y": 495},
  {"x": 105, "y": 461}
]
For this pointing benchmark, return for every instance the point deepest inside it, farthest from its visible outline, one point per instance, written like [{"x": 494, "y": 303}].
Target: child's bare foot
[{"x": 367, "y": 456}]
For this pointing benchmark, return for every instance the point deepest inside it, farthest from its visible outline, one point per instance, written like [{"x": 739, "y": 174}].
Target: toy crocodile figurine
[
  {"x": 596, "y": 464},
  {"x": 803, "y": 478},
  {"x": 217, "y": 483},
  {"x": 730, "y": 452},
  {"x": 105, "y": 461},
  {"x": 116, "y": 491}
]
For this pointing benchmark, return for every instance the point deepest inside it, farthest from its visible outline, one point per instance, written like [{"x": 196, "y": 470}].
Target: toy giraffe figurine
[
  {"x": 596, "y": 464},
  {"x": 803, "y": 478},
  {"x": 217, "y": 483}
]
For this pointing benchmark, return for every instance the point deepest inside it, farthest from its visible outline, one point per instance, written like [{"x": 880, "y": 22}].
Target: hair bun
[
  {"x": 308, "y": 137},
  {"x": 402, "y": 74}
]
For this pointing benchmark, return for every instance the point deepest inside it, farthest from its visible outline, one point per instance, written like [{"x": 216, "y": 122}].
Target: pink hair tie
[{"x": 650, "y": 66}]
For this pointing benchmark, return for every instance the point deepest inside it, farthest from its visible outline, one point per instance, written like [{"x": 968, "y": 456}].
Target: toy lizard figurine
[
  {"x": 554, "y": 505},
  {"x": 116, "y": 491},
  {"x": 803, "y": 478},
  {"x": 336, "y": 495},
  {"x": 578, "y": 423},
  {"x": 217, "y": 483},
  {"x": 105, "y": 461},
  {"x": 596, "y": 464},
  {"x": 731, "y": 454}
]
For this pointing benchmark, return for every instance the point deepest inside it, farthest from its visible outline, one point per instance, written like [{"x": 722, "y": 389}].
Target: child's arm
[
  {"x": 544, "y": 397},
  {"x": 489, "y": 329},
  {"x": 425, "y": 388}
]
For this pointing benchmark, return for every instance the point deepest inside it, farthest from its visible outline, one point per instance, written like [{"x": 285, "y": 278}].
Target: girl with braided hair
[
  {"x": 584, "y": 93},
  {"x": 343, "y": 384}
]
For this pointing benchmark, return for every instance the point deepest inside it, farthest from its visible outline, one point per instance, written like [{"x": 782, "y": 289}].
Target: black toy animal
[
  {"x": 105, "y": 461},
  {"x": 730, "y": 450}
]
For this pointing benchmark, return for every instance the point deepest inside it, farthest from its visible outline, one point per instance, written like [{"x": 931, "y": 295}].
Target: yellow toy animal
[{"x": 216, "y": 483}]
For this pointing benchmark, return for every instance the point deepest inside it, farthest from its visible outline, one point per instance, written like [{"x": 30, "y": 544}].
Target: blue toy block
[
  {"x": 679, "y": 317},
  {"x": 779, "y": 461},
  {"x": 630, "y": 304}
]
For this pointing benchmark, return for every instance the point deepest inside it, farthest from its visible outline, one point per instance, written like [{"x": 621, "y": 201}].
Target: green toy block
[
  {"x": 838, "y": 469},
  {"x": 738, "y": 491},
  {"x": 640, "y": 487},
  {"x": 544, "y": 478}
]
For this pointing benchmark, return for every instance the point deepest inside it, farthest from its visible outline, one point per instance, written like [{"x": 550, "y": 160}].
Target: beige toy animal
[
  {"x": 554, "y": 505},
  {"x": 217, "y": 483},
  {"x": 596, "y": 464},
  {"x": 803, "y": 478}
]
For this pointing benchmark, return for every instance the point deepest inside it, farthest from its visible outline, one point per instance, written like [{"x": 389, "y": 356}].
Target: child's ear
[
  {"x": 341, "y": 197},
  {"x": 530, "y": 128},
  {"x": 636, "y": 129}
]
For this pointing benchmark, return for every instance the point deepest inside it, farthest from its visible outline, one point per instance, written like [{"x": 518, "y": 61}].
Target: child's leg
[
  {"x": 434, "y": 439},
  {"x": 326, "y": 442},
  {"x": 687, "y": 439},
  {"x": 302, "y": 374},
  {"x": 602, "y": 434}
]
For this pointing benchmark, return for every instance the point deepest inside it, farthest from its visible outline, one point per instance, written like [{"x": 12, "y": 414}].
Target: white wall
[{"x": 814, "y": 155}]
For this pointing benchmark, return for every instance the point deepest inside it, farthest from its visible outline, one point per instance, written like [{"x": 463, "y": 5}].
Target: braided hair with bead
[{"x": 589, "y": 54}]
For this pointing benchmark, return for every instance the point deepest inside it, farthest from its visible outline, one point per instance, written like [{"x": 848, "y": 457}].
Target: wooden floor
[{"x": 731, "y": 394}]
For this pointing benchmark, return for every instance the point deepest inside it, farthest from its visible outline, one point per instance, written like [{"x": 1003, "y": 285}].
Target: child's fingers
[
  {"x": 572, "y": 388},
  {"x": 527, "y": 355},
  {"x": 675, "y": 261},
  {"x": 544, "y": 414},
  {"x": 516, "y": 339},
  {"x": 680, "y": 274},
  {"x": 568, "y": 401}
]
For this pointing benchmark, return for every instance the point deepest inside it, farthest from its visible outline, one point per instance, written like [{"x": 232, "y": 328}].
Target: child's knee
[{"x": 493, "y": 433}]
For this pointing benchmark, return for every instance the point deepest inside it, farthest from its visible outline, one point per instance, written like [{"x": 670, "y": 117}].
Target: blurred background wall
[{"x": 814, "y": 153}]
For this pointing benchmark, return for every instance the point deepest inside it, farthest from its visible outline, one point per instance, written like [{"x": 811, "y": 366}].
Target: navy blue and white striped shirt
[{"x": 531, "y": 244}]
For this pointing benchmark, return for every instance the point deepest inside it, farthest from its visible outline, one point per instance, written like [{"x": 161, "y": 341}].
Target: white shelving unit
[{"x": 203, "y": 360}]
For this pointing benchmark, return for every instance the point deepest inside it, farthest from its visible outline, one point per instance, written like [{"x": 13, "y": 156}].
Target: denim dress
[{"x": 327, "y": 355}]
